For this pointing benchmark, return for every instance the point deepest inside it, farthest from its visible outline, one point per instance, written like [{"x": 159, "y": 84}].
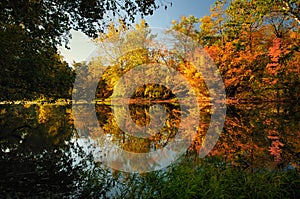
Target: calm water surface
[{"x": 42, "y": 152}]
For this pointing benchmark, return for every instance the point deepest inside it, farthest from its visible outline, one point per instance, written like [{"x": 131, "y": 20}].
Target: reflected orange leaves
[{"x": 256, "y": 137}]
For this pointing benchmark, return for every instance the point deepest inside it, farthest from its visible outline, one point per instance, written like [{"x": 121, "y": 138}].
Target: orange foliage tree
[{"x": 255, "y": 46}]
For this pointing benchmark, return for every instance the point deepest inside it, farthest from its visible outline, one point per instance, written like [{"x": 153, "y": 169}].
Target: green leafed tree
[
  {"x": 30, "y": 68},
  {"x": 32, "y": 30},
  {"x": 52, "y": 19}
]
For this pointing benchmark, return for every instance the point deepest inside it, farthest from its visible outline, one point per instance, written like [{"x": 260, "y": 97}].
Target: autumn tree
[
  {"x": 255, "y": 45},
  {"x": 122, "y": 49}
]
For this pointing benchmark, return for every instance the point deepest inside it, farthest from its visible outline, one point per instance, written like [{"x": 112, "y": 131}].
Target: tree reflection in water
[{"x": 41, "y": 156}]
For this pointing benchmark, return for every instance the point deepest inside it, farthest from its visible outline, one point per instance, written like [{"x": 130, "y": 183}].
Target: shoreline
[{"x": 228, "y": 101}]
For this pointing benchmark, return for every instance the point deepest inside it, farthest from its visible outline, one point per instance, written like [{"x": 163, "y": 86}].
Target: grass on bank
[{"x": 210, "y": 178}]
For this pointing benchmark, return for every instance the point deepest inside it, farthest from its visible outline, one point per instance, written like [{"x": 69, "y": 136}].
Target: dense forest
[{"x": 255, "y": 45}]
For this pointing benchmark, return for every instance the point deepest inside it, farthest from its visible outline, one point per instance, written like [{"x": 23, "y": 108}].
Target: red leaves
[
  {"x": 275, "y": 148},
  {"x": 275, "y": 52}
]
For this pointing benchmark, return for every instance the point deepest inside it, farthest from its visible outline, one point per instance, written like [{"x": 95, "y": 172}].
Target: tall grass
[{"x": 212, "y": 178}]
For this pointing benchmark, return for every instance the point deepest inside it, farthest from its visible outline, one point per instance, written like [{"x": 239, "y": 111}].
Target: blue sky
[{"x": 82, "y": 46}]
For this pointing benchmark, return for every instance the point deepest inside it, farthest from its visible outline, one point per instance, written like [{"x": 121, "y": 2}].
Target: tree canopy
[
  {"x": 51, "y": 20},
  {"x": 122, "y": 49},
  {"x": 31, "y": 30},
  {"x": 255, "y": 45}
]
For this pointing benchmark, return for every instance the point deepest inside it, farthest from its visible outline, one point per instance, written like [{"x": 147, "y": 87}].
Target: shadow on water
[{"x": 41, "y": 153}]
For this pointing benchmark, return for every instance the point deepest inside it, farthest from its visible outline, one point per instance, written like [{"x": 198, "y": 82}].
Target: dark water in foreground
[{"x": 42, "y": 153}]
